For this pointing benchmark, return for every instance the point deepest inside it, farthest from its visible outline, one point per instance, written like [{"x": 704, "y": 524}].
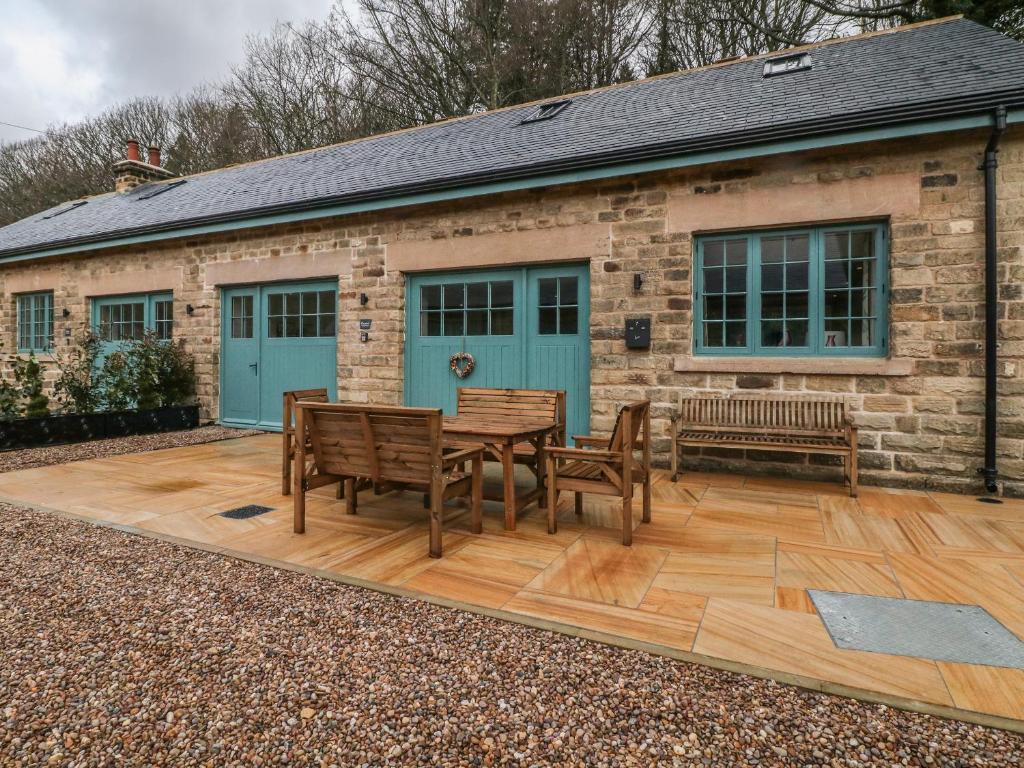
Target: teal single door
[
  {"x": 526, "y": 328},
  {"x": 276, "y": 338}
]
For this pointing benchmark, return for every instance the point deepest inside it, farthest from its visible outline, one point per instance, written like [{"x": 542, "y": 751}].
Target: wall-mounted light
[
  {"x": 638, "y": 281},
  {"x": 190, "y": 310},
  {"x": 363, "y": 299},
  {"x": 66, "y": 312}
]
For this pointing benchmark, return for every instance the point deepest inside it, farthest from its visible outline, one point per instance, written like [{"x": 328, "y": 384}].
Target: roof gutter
[
  {"x": 952, "y": 115},
  {"x": 990, "y": 165}
]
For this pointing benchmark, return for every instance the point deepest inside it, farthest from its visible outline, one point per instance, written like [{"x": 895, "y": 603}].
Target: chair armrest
[
  {"x": 466, "y": 454},
  {"x": 584, "y": 454},
  {"x": 589, "y": 440}
]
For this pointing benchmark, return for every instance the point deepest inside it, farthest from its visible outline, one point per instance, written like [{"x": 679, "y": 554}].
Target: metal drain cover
[
  {"x": 920, "y": 628},
  {"x": 244, "y": 513}
]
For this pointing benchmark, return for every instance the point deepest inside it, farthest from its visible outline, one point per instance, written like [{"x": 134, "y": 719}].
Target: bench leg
[
  {"x": 350, "y": 495},
  {"x": 578, "y": 502},
  {"x": 286, "y": 468},
  {"x": 627, "y": 521},
  {"x": 647, "y": 499},
  {"x": 853, "y": 472},
  {"x": 552, "y": 481},
  {"x": 476, "y": 503},
  {"x": 675, "y": 455},
  {"x": 435, "y": 525}
]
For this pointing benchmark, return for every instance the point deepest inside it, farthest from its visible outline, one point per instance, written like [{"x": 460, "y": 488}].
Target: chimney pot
[
  {"x": 154, "y": 155},
  {"x": 133, "y": 150}
]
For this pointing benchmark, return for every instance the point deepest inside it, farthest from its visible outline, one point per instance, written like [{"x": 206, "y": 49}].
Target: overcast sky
[{"x": 61, "y": 60}]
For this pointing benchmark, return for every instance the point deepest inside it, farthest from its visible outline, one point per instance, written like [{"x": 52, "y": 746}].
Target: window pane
[
  {"x": 309, "y": 325},
  {"x": 714, "y": 253},
  {"x": 796, "y": 276},
  {"x": 862, "y": 274},
  {"x": 835, "y": 333},
  {"x": 736, "y": 334},
  {"x": 291, "y": 304},
  {"x": 796, "y": 305},
  {"x": 476, "y": 295},
  {"x": 797, "y": 248},
  {"x": 837, "y": 246},
  {"x": 501, "y": 294},
  {"x": 736, "y": 252},
  {"x": 237, "y": 328},
  {"x": 327, "y": 323},
  {"x": 862, "y": 303},
  {"x": 862, "y": 244},
  {"x": 276, "y": 304},
  {"x": 291, "y": 324},
  {"x": 773, "y": 250},
  {"x": 548, "y": 320},
  {"x": 476, "y": 322},
  {"x": 308, "y": 303},
  {"x": 771, "y": 333},
  {"x": 714, "y": 280},
  {"x": 138, "y": 312},
  {"x": 862, "y": 333},
  {"x": 771, "y": 305},
  {"x": 430, "y": 297},
  {"x": 713, "y": 334},
  {"x": 453, "y": 324},
  {"x": 454, "y": 297},
  {"x": 568, "y": 320},
  {"x": 714, "y": 308},
  {"x": 567, "y": 290},
  {"x": 796, "y": 333},
  {"x": 736, "y": 307},
  {"x": 736, "y": 279},
  {"x": 275, "y": 327},
  {"x": 548, "y": 287},
  {"x": 771, "y": 277},
  {"x": 836, "y": 274},
  {"x": 430, "y": 323},
  {"x": 501, "y": 322},
  {"x": 837, "y": 304}
]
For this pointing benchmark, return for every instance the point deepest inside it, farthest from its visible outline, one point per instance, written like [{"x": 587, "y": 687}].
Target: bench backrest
[
  {"x": 763, "y": 412},
  {"x": 401, "y": 445},
  {"x": 541, "y": 404}
]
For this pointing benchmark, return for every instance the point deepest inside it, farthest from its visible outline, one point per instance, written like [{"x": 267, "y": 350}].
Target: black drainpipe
[{"x": 991, "y": 164}]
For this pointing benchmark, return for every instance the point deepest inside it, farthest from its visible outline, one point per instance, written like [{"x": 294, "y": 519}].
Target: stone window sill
[
  {"x": 814, "y": 366},
  {"x": 42, "y": 357}
]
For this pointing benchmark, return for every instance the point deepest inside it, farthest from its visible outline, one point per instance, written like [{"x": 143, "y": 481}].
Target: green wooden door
[
  {"x": 276, "y": 338},
  {"x": 499, "y": 316}
]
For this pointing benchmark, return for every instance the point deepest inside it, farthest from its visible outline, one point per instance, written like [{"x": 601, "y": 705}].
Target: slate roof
[{"x": 943, "y": 69}]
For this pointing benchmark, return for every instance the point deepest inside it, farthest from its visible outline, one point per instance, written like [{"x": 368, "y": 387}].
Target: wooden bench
[
  {"x": 386, "y": 447},
  {"x": 767, "y": 422},
  {"x": 540, "y": 405},
  {"x": 609, "y": 468},
  {"x": 288, "y": 430}
]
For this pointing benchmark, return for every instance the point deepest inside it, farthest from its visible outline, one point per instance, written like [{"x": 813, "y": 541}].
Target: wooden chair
[
  {"x": 396, "y": 448},
  {"x": 545, "y": 405},
  {"x": 288, "y": 430},
  {"x": 767, "y": 421},
  {"x": 610, "y": 470}
]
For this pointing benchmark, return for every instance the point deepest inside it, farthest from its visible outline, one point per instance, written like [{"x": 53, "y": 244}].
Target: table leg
[
  {"x": 542, "y": 469},
  {"x": 508, "y": 471}
]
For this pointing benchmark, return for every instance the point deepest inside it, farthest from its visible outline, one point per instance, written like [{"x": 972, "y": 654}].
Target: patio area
[{"x": 720, "y": 575}]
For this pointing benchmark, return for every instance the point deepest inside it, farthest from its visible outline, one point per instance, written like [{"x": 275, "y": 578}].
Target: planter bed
[{"x": 77, "y": 428}]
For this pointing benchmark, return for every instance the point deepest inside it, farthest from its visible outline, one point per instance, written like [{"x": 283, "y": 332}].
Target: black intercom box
[{"x": 638, "y": 333}]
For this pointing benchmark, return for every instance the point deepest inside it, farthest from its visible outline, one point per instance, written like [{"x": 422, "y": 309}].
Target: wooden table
[{"x": 499, "y": 438}]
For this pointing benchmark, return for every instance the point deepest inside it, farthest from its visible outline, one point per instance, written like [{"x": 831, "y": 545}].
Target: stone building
[{"x": 813, "y": 220}]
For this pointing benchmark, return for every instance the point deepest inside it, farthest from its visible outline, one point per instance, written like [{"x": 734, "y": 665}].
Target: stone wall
[{"x": 919, "y": 412}]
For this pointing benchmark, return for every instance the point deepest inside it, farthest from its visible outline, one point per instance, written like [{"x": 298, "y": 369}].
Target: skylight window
[
  {"x": 546, "y": 111},
  {"x": 160, "y": 189},
  {"x": 62, "y": 211},
  {"x": 783, "y": 65}
]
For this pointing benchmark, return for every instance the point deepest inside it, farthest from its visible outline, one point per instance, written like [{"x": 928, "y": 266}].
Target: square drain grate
[
  {"x": 244, "y": 513},
  {"x": 920, "y": 628}
]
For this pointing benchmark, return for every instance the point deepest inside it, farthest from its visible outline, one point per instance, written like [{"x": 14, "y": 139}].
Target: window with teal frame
[
  {"x": 809, "y": 292},
  {"x": 127, "y": 318},
  {"x": 35, "y": 322}
]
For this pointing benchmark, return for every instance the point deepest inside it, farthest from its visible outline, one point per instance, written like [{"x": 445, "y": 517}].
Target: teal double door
[
  {"x": 526, "y": 328},
  {"x": 275, "y": 338}
]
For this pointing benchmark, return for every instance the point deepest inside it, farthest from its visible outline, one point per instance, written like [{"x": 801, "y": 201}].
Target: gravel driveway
[{"x": 122, "y": 650}]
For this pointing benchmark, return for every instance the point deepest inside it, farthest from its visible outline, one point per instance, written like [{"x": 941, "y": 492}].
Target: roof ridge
[{"x": 600, "y": 89}]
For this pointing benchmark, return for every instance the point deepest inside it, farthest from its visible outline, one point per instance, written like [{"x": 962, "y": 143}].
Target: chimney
[{"x": 132, "y": 172}]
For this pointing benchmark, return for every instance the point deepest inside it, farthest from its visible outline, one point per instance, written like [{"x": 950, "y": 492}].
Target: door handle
[{"x": 255, "y": 368}]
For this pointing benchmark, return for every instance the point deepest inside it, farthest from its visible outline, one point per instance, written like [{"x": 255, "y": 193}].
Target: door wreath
[{"x": 462, "y": 364}]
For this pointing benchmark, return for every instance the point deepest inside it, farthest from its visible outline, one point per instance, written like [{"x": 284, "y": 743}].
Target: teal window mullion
[{"x": 754, "y": 294}]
